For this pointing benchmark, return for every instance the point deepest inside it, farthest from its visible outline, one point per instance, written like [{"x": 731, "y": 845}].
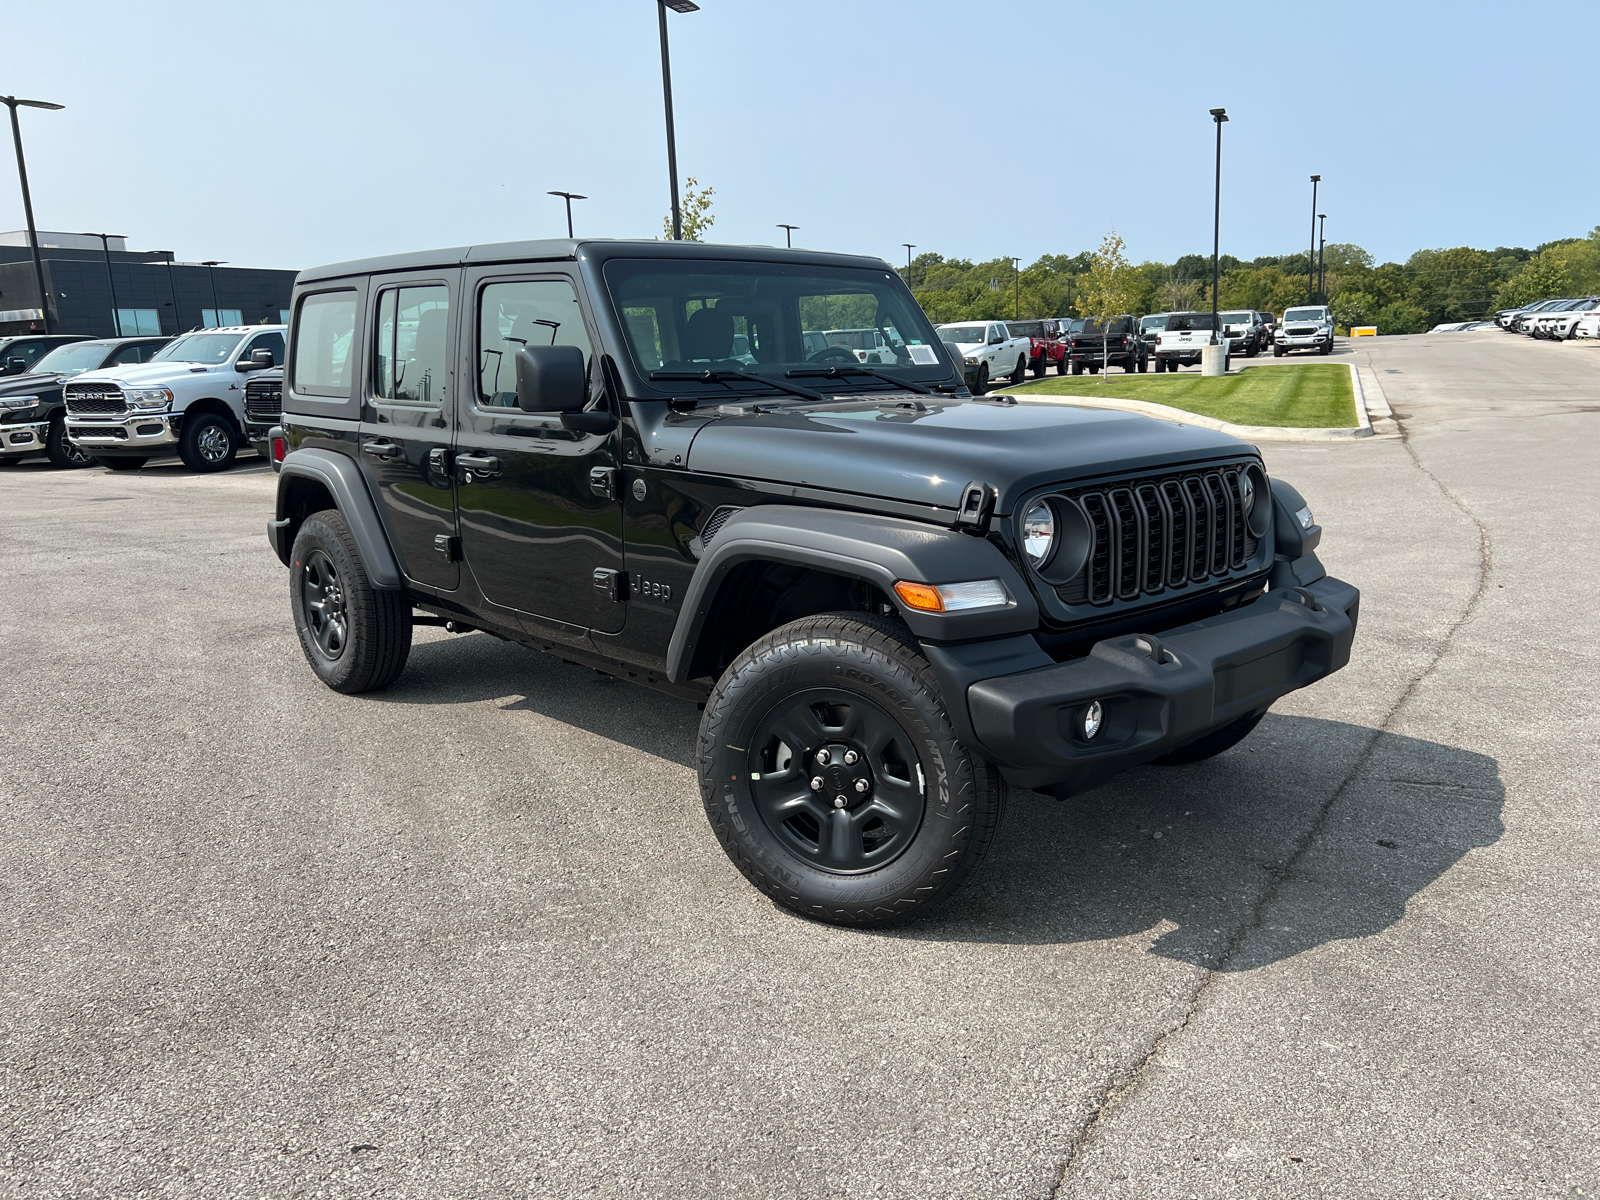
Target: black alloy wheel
[
  {"x": 1020, "y": 375},
  {"x": 355, "y": 637},
  {"x": 982, "y": 386},
  {"x": 208, "y": 444},
  {"x": 833, "y": 778},
  {"x": 322, "y": 598},
  {"x": 59, "y": 449},
  {"x": 130, "y": 462}
]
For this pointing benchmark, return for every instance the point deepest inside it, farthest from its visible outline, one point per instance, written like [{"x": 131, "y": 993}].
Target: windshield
[
  {"x": 73, "y": 359},
  {"x": 209, "y": 348},
  {"x": 698, "y": 314},
  {"x": 1157, "y": 322},
  {"x": 1306, "y": 314},
  {"x": 964, "y": 335},
  {"x": 1236, "y": 318},
  {"x": 1185, "y": 322}
]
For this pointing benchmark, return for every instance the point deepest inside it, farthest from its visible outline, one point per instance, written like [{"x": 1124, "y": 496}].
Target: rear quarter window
[{"x": 323, "y": 359}]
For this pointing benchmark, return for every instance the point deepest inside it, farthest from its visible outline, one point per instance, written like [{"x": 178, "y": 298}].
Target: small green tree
[
  {"x": 695, "y": 210},
  {"x": 1543, "y": 277},
  {"x": 1109, "y": 286}
]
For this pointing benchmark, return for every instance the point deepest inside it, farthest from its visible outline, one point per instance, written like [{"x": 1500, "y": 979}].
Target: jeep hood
[{"x": 877, "y": 448}]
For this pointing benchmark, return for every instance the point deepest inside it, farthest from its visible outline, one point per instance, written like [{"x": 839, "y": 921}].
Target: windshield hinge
[{"x": 977, "y": 507}]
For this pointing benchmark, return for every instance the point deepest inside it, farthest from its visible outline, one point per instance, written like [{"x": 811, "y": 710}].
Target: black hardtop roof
[{"x": 594, "y": 249}]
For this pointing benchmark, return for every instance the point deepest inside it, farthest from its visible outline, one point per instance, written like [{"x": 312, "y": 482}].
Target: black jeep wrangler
[{"x": 893, "y": 599}]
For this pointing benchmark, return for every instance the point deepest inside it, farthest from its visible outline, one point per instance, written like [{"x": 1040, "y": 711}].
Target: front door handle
[
  {"x": 380, "y": 449},
  {"x": 479, "y": 464}
]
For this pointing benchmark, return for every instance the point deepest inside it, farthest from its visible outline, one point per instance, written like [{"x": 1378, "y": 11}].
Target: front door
[
  {"x": 541, "y": 519},
  {"x": 405, "y": 420}
]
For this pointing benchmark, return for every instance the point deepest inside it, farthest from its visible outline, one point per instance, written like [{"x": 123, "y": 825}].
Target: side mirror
[
  {"x": 995, "y": 341},
  {"x": 258, "y": 360},
  {"x": 551, "y": 379},
  {"x": 15, "y": 366}
]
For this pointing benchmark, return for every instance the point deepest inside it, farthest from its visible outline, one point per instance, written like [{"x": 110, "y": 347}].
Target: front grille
[
  {"x": 94, "y": 399},
  {"x": 1155, "y": 535},
  {"x": 1305, "y": 331},
  {"x": 263, "y": 400}
]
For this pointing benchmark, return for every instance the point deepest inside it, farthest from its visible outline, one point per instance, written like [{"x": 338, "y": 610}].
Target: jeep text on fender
[{"x": 893, "y": 598}]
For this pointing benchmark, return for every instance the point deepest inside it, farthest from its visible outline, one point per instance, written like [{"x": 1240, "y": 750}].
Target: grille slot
[
  {"x": 717, "y": 520},
  {"x": 1155, "y": 535},
  {"x": 94, "y": 399},
  {"x": 263, "y": 400}
]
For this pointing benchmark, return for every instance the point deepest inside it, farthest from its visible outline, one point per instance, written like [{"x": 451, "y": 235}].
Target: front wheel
[
  {"x": 59, "y": 449},
  {"x": 355, "y": 637},
  {"x": 1327, "y": 348},
  {"x": 208, "y": 443},
  {"x": 833, "y": 778},
  {"x": 1277, "y": 352},
  {"x": 131, "y": 462},
  {"x": 1021, "y": 373}
]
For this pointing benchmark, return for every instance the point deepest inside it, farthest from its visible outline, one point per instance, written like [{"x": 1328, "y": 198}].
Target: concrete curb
[{"x": 1372, "y": 410}]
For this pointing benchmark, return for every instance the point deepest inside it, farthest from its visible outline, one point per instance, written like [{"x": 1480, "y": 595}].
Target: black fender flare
[
  {"x": 342, "y": 479},
  {"x": 876, "y": 549}
]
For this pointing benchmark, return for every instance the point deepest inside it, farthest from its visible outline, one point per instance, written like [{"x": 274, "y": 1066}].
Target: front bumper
[
  {"x": 1159, "y": 692},
  {"x": 136, "y": 433},
  {"x": 1304, "y": 342},
  {"x": 24, "y": 438}
]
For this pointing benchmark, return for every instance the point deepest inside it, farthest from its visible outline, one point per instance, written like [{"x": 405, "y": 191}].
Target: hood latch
[{"x": 977, "y": 507}]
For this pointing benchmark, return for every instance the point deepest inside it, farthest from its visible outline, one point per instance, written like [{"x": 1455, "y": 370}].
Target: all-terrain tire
[
  {"x": 209, "y": 443},
  {"x": 60, "y": 450},
  {"x": 355, "y": 637},
  {"x": 131, "y": 462},
  {"x": 855, "y": 674},
  {"x": 1212, "y": 744}
]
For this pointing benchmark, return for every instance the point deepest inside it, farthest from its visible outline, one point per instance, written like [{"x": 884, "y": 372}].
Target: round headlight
[{"x": 1038, "y": 532}]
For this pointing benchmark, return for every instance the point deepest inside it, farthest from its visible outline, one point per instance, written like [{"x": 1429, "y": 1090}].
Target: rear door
[
  {"x": 405, "y": 429},
  {"x": 541, "y": 518}
]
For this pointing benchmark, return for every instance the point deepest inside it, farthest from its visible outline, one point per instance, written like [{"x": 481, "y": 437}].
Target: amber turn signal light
[{"x": 921, "y": 596}]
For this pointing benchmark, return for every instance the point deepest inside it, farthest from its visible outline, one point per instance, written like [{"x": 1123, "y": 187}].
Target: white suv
[
  {"x": 1309, "y": 327},
  {"x": 188, "y": 399}
]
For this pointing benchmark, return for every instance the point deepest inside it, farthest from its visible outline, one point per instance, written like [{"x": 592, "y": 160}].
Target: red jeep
[{"x": 1046, "y": 346}]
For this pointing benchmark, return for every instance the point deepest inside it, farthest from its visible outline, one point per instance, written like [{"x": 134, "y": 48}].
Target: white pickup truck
[
  {"x": 1309, "y": 327},
  {"x": 987, "y": 351},
  {"x": 188, "y": 400}
]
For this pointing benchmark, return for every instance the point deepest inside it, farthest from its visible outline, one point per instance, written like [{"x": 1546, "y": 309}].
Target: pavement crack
[{"x": 1125, "y": 1083}]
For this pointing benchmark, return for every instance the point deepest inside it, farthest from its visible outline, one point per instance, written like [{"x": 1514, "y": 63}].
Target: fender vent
[{"x": 717, "y": 521}]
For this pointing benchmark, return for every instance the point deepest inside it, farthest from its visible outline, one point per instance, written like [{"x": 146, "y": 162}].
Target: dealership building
[{"x": 110, "y": 290}]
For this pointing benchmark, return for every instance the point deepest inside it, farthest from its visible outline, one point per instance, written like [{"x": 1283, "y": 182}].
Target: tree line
[{"x": 1429, "y": 288}]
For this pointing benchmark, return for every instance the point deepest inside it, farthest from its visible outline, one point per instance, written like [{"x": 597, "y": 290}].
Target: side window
[
  {"x": 267, "y": 341},
  {"x": 136, "y": 353},
  {"x": 324, "y": 337},
  {"x": 525, "y": 312},
  {"x": 410, "y": 361}
]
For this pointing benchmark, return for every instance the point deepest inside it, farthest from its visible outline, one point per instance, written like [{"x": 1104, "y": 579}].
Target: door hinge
[
  {"x": 613, "y": 585},
  {"x": 977, "y": 506},
  {"x": 603, "y": 482},
  {"x": 439, "y": 460},
  {"x": 448, "y": 546}
]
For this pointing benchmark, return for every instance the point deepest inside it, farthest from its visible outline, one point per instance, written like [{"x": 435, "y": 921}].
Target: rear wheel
[
  {"x": 130, "y": 463},
  {"x": 833, "y": 778},
  {"x": 1212, "y": 744},
  {"x": 58, "y": 446},
  {"x": 1062, "y": 366},
  {"x": 1077, "y": 368},
  {"x": 355, "y": 637}
]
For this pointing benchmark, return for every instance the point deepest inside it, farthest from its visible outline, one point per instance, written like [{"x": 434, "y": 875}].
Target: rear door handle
[
  {"x": 380, "y": 449},
  {"x": 479, "y": 464}
]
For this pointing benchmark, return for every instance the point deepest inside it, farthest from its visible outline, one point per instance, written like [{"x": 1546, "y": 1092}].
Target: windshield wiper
[
  {"x": 724, "y": 376},
  {"x": 838, "y": 372}
]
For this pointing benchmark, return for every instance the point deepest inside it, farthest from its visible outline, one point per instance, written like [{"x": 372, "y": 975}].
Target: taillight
[{"x": 278, "y": 449}]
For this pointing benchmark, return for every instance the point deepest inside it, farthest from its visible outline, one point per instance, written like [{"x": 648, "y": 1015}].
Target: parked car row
[
  {"x": 123, "y": 401},
  {"x": 1553, "y": 320}
]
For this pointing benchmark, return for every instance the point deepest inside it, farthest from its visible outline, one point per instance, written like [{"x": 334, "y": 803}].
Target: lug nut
[
  {"x": 861, "y": 785},
  {"x": 823, "y": 756},
  {"x": 839, "y": 801},
  {"x": 816, "y": 783},
  {"x": 850, "y": 757}
]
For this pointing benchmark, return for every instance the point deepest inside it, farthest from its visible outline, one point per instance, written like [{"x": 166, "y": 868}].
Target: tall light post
[
  {"x": 1311, "y": 258},
  {"x": 1016, "y": 285},
  {"x": 788, "y": 234},
  {"x": 678, "y": 6},
  {"x": 910, "y": 246},
  {"x": 105, "y": 248},
  {"x": 1219, "y": 115},
  {"x": 1322, "y": 249},
  {"x": 211, "y": 266},
  {"x": 13, "y": 104},
  {"x": 569, "y": 197}
]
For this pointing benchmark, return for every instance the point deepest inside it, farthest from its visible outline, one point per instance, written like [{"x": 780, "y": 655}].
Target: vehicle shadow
[{"x": 1176, "y": 858}]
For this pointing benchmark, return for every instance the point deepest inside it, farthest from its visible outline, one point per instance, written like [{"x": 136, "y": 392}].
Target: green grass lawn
[{"x": 1307, "y": 395}]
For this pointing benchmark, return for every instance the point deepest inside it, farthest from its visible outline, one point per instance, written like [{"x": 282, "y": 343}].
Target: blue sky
[{"x": 299, "y": 133}]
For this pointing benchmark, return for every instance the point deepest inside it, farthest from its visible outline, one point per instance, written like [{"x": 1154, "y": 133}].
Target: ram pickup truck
[
  {"x": 987, "y": 350},
  {"x": 1045, "y": 347},
  {"x": 1117, "y": 344},
  {"x": 1186, "y": 334},
  {"x": 187, "y": 400},
  {"x": 892, "y": 599},
  {"x": 1309, "y": 327}
]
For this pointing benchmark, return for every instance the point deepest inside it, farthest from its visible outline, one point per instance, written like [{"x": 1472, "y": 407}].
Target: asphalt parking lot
[{"x": 471, "y": 937}]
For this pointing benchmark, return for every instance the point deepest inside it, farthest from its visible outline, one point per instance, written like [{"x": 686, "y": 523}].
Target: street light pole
[
  {"x": 1322, "y": 248},
  {"x": 569, "y": 197},
  {"x": 1311, "y": 260},
  {"x": 211, "y": 266},
  {"x": 105, "y": 247},
  {"x": 680, "y": 6},
  {"x": 1219, "y": 115},
  {"x": 910, "y": 246},
  {"x": 788, "y": 234},
  {"x": 1016, "y": 286},
  {"x": 13, "y": 104}
]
